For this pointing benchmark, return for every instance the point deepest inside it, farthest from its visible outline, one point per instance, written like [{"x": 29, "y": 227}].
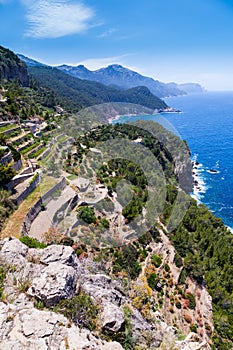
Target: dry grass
[{"x": 14, "y": 224}]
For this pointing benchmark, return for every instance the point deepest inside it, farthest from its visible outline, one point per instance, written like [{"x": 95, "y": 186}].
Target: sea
[{"x": 206, "y": 123}]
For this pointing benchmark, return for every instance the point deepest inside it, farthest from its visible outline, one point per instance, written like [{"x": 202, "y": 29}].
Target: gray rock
[
  {"x": 56, "y": 282},
  {"x": 4, "y": 325},
  {"x": 59, "y": 253},
  {"x": 143, "y": 330},
  {"x": 33, "y": 329},
  {"x": 101, "y": 288},
  {"x": 112, "y": 318},
  {"x": 13, "y": 252}
]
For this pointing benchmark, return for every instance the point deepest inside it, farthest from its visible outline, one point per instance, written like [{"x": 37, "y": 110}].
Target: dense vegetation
[
  {"x": 11, "y": 67},
  {"x": 206, "y": 246},
  {"x": 79, "y": 93},
  {"x": 26, "y": 102}
]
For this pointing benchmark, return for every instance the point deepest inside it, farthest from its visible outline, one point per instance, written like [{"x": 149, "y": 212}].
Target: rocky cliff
[{"x": 36, "y": 284}]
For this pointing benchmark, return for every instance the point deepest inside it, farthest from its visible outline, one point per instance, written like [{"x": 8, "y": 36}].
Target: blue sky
[{"x": 170, "y": 40}]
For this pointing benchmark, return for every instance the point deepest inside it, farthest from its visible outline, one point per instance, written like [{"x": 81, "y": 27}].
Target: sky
[{"x": 169, "y": 40}]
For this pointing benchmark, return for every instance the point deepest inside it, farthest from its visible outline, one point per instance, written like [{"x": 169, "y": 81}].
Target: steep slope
[
  {"x": 12, "y": 68},
  {"x": 83, "y": 93}
]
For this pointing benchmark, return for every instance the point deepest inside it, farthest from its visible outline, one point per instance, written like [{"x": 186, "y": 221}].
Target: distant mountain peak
[
  {"x": 121, "y": 77},
  {"x": 116, "y": 66}
]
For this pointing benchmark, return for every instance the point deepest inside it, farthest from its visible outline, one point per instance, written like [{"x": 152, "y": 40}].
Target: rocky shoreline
[{"x": 198, "y": 183}]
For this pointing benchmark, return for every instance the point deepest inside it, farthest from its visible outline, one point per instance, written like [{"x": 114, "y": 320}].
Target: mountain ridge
[
  {"x": 116, "y": 74},
  {"x": 84, "y": 93},
  {"x": 124, "y": 78}
]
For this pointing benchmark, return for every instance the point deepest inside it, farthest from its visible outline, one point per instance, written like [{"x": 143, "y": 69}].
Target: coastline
[
  {"x": 168, "y": 110},
  {"x": 199, "y": 185}
]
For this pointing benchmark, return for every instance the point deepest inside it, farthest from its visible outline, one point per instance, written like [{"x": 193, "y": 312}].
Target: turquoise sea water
[{"x": 206, "y": 123}]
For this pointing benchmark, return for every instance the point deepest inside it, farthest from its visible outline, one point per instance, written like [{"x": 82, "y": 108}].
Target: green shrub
[
  {"x": 104, "y": 222},
  {"x": 87, "y": 214},
  {"x": 152, "y": 280},
  {"x": 80, "y": 309},
  {"x": 192, "y": 301},
  {"x": 156, "y": 260},
  {"x": 193, "y": 328},
  {"x": 178, "y": 260},
  {"x": 143, "y": 254},
  {"x": 32, "y": 242},
  {"x": 2, "y": 278},
  {"x": 178, "y": 305},
  {"x": 126, "y": 258}
]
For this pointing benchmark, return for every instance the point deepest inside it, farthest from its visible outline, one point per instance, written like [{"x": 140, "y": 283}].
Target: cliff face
[{"x": 12, "y": 68}]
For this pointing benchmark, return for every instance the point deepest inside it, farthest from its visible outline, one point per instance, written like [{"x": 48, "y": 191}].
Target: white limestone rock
[
  {"x": 13, "y": 252},
  {"x": 44, "y": 330},
  {"x": 102, "y": 289},
  {"x": 56, "y": 282},
  {"x": 192, "y": 342},
  {"x": 112, "y": 318},
  {"x": 59, "y": 253}
]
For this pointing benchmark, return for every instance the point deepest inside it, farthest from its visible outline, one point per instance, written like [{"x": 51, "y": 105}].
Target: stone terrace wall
[
  {"x": 6, "y": 159},
  {"x": 37, "y": 207},
  {"x": 17, "y": 180},
  {"x": 17, "y": 165},
  {"x": 49, "y": 194},
  {"x": 28, "y": 190}
]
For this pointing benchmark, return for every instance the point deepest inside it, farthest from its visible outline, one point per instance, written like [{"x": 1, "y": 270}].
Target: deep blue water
[{"x": 206, "y": 123}]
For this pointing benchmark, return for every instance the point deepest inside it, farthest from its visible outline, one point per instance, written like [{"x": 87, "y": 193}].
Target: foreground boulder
[
  {"x": 112, "y": 318},
  {"x": 56, "y": 282},
  {"x": 31, "y": 329}
]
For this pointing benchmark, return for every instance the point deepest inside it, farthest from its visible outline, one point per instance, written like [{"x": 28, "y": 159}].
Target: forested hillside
[
  {"x": 82, "y": 93},
  {"x": 11, "y": 67}
]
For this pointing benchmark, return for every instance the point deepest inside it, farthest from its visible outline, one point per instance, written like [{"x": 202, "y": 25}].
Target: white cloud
[
  {"x": 107, "y": 33},
  {"x": 56, "y": 18},
  {"x": 97, "y": 63}
]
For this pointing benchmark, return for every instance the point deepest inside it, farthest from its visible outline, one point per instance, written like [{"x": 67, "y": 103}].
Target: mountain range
[
  {"x": 75, "y": 93},
  {"x": 121, "y": 77}
]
